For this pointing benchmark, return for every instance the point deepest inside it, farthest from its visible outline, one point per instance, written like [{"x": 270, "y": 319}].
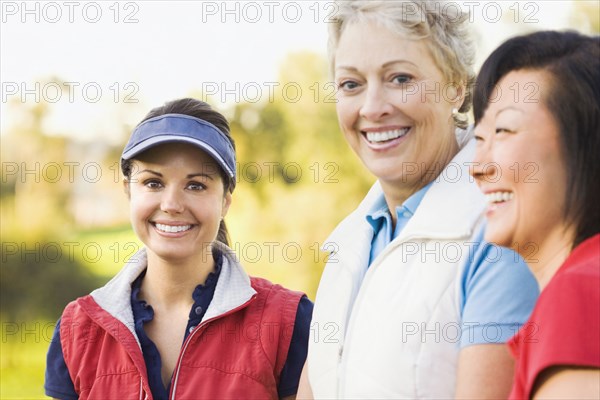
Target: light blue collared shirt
[
  {"x": 380, "y": 219},
  {"x": 498, "y": 290}
]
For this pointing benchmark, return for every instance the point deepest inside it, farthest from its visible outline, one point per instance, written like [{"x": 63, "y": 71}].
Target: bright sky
[{"x": 153, "y": 51}]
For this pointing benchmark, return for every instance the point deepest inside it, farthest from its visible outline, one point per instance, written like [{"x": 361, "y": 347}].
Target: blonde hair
[{"x": 441, "y": 23}]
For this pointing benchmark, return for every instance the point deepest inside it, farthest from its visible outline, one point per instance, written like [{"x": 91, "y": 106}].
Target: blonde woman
[{"x": 413, "y": 303}]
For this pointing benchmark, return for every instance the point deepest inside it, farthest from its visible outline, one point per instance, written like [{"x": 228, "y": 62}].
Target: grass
[{"x": 23, "y": 359}]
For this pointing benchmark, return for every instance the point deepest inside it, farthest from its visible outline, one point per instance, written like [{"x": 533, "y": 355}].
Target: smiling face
[
  {"x": 394, "y": 104},
  {"x": 176, "y": 201},
  {"x": 519, "y": 165}
]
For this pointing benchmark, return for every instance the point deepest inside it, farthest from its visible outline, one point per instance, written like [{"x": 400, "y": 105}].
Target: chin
[
  {"x": 170, "y": 254},
  {"x": 385, "y": 172},
  {"x": 497, "y": 236}
]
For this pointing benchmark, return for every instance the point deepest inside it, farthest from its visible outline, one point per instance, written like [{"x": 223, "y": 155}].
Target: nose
[
  {"x": 376, "y": 104},
  {"x": 483, "y": 168},
  {"x": 172, "y": 201}
]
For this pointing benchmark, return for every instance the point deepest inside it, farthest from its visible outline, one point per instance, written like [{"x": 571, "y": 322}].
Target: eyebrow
[
  {"x": 384, "y": 66},
  {"x": 387, "y": 64},
  {"x": 509, "y": 108},
  {"x": 189, "y": 176}
]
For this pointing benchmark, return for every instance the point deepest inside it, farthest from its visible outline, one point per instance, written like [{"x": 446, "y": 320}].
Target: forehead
[
  {"x": 183, "y": 156},
  {"x": 526, "y": 88},
  {"x": 367, "y": 43},
  {"x": 519, "y": 100}
]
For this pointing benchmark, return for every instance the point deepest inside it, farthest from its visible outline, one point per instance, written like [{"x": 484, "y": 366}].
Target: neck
[
  {"x": 171, "y": 283},
  {"x": 550, "y": 255},
  {"x": 397, "y": 191},
  {"x": 395, "y": 194}
]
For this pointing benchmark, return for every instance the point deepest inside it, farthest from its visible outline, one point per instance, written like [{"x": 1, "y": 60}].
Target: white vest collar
[{"x": 233, "y": 287}]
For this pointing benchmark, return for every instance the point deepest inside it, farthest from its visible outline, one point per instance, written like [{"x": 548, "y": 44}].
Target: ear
[
  {"x": 226, "y": 203},
  {"x": 127, "y": 188}
]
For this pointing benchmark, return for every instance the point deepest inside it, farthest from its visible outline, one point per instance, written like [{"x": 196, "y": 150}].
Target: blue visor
[{"x": 169, "y": 128}]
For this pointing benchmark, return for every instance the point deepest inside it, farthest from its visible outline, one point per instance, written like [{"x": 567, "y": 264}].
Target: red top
[{"x": 564, "y": 328}]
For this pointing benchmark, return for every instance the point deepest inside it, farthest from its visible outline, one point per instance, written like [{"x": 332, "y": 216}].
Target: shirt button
[
  {"x": 191, "y": 329},
  {"x": 406, "y": 214},
  {"x": 198, "y": 310}
]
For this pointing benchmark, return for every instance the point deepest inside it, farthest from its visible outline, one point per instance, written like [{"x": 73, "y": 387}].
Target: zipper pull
[{"x": 142, "y": 389}]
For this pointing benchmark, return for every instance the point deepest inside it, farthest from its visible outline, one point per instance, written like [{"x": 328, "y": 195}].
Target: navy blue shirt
[{"x": 58, "y": 382}]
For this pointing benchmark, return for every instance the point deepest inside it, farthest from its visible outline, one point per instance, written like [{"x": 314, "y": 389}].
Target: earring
[{"x": 454, "y": 112}]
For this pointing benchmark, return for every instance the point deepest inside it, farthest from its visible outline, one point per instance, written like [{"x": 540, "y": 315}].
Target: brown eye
[
  {"x": 153, "y": 184},
  {"x": 196, "y": 186}
]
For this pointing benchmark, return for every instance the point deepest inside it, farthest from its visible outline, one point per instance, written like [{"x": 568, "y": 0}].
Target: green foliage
[{"x": 37, "y": 280}]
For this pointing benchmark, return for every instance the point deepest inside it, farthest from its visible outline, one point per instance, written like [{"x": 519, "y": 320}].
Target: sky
[{"x": 119, "y": 59}]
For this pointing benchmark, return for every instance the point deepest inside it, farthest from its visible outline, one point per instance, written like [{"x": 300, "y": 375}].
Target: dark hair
[
  {"x": 572, "y": 61},
  {"x": 202, "y": 110}
]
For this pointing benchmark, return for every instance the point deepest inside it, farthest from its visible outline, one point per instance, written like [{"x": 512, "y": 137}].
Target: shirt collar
[
  {"x": 379, "y": 210},
  {"x": 211, "y": 281},
  {"x": 378, "y": 213}
]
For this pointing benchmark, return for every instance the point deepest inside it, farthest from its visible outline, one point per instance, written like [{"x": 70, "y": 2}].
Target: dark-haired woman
[
  {"x": 182, "y": 319},
  {"x": 537, "y": 111}
]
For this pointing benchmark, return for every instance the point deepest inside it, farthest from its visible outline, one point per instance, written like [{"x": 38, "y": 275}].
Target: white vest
[{"x": 393, "y": 330}]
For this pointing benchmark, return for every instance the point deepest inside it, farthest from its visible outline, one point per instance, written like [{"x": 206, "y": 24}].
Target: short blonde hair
[{"x": 443, "y": 24}]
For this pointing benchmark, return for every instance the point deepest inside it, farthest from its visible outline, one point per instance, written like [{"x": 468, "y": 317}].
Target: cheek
[
  {"x": 511, "y": 156},
  {"x": 550, "y": 177},
  {"x": 210, "y": 211},
  {"x": 428, "y": 101},
  {"x": 507, "y": 161},
  {"x": 140, "y": 205},
  {"x": 136, "y": 214},
  {"x": 347, "y": 112},
  {"x": 533, "y": 165}
]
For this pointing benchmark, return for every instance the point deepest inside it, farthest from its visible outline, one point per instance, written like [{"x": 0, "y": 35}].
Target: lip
[
  {"x": 384, "y": 128},
  {"x": 492, "y": 208},
  {"x": 384, "y": 146},
  {"x": 172, "y": 223},
  {"x": 488, "y": 190}
]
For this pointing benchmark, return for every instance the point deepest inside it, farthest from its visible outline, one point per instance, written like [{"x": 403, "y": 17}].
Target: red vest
[{"x": 239, "y": 354}]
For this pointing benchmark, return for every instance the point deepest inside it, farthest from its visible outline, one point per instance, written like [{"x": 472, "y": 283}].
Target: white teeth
[
  {"x": 498, "y": 197},
  {"x": 377, "y": 137},
  {"x": 173, "y": 228}
]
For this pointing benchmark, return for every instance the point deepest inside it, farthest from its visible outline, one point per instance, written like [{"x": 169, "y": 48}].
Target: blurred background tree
[
  {"x": 309, "y": 179},
  {"x": 64, "y": 222},
  {"x": 65, "y": 227}
]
